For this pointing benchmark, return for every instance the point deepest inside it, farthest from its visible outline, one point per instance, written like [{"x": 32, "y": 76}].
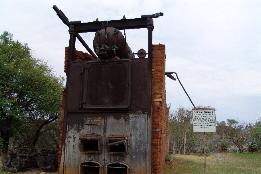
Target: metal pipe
[
  {"x": 169, "y": 74},
  {"x": 65, "y": 20},
  {"x": 86, "y": 46}
]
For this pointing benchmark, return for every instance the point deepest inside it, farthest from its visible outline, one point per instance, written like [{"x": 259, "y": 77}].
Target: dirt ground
[
  {"x": 30, "y": 171},
  {"x": 34, "y": 171}
]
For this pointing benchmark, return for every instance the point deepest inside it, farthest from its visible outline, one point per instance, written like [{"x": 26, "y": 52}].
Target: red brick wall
[
  {"x": 159, "y": 110},
  {"x": 79, "y": 55}
]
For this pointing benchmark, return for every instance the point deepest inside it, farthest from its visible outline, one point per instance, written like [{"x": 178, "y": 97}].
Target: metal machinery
[{"x": 107, "y": 108}]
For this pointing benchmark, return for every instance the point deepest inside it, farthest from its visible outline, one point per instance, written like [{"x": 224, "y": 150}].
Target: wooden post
[{"x": 205, "y": 155}]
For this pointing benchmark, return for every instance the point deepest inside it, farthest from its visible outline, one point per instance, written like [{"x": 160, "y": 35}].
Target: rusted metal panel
[
  {"x": 106, "y": 85},
  {"x": 87, "y": 86},
  {"x": 140, "y": 98},
  {"x": 74, "y": 86}
]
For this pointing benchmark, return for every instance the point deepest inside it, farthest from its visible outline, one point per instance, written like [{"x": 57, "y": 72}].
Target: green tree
[
  {"x": 254, "y": 141},
  {"x": 181, "y": 134},
  {"x": 29, "y": 92},
  {"x": 223, "y": 140},
  {"x": 237, "y": 133}
]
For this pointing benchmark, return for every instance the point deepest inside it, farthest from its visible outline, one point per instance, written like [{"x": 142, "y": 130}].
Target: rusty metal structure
[{"x": 107, "y": 108}]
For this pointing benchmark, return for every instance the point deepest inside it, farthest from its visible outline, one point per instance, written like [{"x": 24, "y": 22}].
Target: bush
[
  {"x": 224, "y": 146},
  {"x": 1, "y": 143},
  {"x": 252, "y": 147}
]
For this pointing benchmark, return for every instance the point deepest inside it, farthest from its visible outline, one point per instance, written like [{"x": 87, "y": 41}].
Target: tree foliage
[
  {"x": 181, "y": 133},
  {"x": 237, "y": 133},
  {"x": 254, "y": 140},
  {"x": 29, "y": 92}
]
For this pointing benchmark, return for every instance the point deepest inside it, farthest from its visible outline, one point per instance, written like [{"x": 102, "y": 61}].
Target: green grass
[
  {"x": 220, "y": 163},
  {"x": 3, "y": 172}
]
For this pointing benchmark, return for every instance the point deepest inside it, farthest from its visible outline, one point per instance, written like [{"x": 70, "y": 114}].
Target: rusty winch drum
[{"x": 110, "y": 43}]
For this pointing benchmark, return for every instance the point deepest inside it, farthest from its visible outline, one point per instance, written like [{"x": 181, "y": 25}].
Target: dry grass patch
[{"x": 220, "y": 163}]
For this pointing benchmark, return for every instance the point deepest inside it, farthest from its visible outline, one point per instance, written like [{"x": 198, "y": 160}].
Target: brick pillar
[{"x": 159, "y": 110}]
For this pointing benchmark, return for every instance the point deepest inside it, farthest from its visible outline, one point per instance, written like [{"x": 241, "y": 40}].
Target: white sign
[{"x": 204, "y": 120}]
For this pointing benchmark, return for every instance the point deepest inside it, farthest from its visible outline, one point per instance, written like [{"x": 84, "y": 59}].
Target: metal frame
[{"x": 76, "y": 27}]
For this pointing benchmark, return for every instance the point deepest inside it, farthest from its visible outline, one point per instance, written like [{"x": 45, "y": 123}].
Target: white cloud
[{"x": 215, "y": 46}]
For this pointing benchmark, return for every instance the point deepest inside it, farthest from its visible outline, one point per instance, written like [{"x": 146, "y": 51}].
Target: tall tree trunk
[
  {"x": 185, "y": 142},
  {"x": 37, "y": 133},
  {"x": 173, "y": 146}
]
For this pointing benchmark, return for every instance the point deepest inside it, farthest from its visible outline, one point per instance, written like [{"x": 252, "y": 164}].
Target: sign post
[{"x": 204, "y": 120}]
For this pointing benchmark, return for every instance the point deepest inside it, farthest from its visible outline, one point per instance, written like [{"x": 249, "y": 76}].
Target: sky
[{"x": 214, "y": 46}]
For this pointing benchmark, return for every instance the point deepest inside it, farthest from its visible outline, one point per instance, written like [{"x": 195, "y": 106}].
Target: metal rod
[
  {"x": 169, "y": 74},
  {"x": 150, "y": 29},
  {"x": 71, "y": 47},
  {"x": 65, "y": 20},
  {"x": 205, "y": 155},
  {"x": 117, "y": 142},
  {"x": 150, "y": 44},
  {"x": 86, "y": 46},
  {"x": 61, "y": 15},
  {"x": 122, "y": 24}
]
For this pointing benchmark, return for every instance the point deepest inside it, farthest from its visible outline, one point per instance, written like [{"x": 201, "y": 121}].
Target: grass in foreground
[{"x": 220, "y": 163}]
